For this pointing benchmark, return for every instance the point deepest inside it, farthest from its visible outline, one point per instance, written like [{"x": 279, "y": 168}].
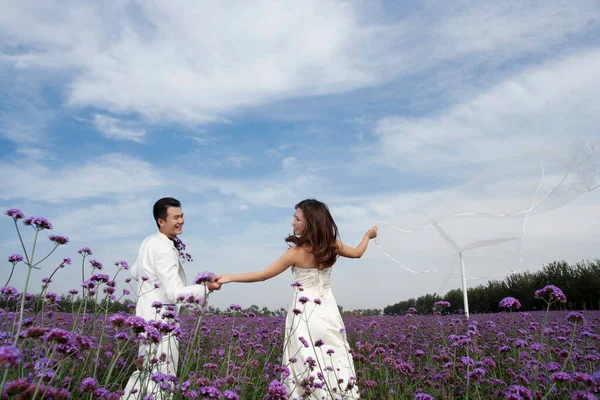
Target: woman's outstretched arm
[
  {"x": 356, "y": 252},
  {"x": 286, "y": 260}
]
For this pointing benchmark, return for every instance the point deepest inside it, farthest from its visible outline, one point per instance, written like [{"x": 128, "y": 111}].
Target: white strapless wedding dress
[{"x": 316, "y": 350}]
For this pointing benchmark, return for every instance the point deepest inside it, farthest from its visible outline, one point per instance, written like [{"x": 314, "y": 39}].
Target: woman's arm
[
  {"x": 356, "y": 252},
  {"x": 286, "y": 260}
]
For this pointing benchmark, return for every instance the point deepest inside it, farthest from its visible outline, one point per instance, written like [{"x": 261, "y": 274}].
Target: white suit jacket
[{"x": 159, "y": 261}]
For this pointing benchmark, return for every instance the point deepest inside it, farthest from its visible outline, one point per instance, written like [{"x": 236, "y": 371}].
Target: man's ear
[{"x": 161, "y": 222}]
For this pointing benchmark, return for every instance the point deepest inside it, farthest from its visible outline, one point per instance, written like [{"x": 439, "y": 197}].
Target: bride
[{"x": 315, "y": 349}]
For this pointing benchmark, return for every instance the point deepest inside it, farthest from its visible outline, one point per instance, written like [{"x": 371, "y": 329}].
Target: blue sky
[{"x": 383, "y": 110}]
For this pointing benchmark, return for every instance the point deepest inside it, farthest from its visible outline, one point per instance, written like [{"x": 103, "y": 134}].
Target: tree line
[{"x": 579, "y": 282}]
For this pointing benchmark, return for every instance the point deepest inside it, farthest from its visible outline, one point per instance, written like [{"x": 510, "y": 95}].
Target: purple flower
[
  {"x": 518, "y": 392},
  {"x": 137, "y": 324},
  {"x": 235, "y": 307},
  {"x": 303, "y": 299},
  {"x": 88, "y": 385},
  {"x": 276, "y": 391},
  {"x": 16, "y": 214},
  {"x": 96, "y": 264},
  {"x": 38, "y": 223},
  {"x": 317, "y": 301},
  {"x": 116, "y": 320},
  {"x": 442, "y": 304},
  {"x": 319, "y": 343},
  {"x": 9, "y": 356},
  {"x": 15, "y": 258},
  {"x": 16, "y": 387},
  {"x": 57, "y": 335},
  {"x": 560, "y": 377},
  {"x": 467, "y": 361},
  {"x": 296, "y": 284},
  {"x": 179, "y": 245},
  {"x": 423, "y": 396},
  {"x": 8, "y": 292},
  {"x": 85, "y": 251},
  {"x": 58, "y": 240},
  {"x": 230, "y": 395},
  {"x": 582, "y": 395},
  {"x": 52, "y": 297},
  {"x": 509, "y": 302},
  {"x": 552, "y": 292},
  {"x": 575, "y": 317},
  {"x": 66, "y": 261},
  {"x": 210, "y": 391},
  {"x": 102, "y": 393},
  {"x": 304, "y": 342},
  {"x": 122, "y": 264},
  {"x": 100, "y": 278},
  {"x": 204, "y": 277}
]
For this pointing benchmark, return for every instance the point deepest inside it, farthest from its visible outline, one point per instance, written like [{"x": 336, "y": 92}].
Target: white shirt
[{"x": 159, "y": 261}]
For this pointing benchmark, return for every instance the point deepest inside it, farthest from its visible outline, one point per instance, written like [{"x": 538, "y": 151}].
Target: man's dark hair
[{"x": 161, "y": 206}]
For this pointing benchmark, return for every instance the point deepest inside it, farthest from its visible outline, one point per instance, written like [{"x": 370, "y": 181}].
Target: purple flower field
[
  {"x": 90, "y": 352},
  {"x": 505, "y": 355}
]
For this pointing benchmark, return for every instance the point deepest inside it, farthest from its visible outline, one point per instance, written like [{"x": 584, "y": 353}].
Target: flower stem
[{"x": 24, "y": 294}]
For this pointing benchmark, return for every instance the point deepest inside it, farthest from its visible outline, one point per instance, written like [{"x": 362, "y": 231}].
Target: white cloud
[
  {"x": 106, "y": 175},
  {"x": 275, "y": 190},
  {"x": 193, "y": 64},
  {"x": 288, "y": 162},
  {"x": 34, "y": 153},
  {"x": 543, "y": 106},
  {"x": 510, "y": 27},
  {"x": 117, "y": 129}
]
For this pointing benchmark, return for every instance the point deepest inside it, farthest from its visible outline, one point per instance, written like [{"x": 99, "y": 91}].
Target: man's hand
[
  {"x": 223, "y": 279},
  {"x": 213, "y": 286}
]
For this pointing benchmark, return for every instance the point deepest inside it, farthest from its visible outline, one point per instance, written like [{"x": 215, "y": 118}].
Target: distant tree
[{"x": 579, "y": 282}]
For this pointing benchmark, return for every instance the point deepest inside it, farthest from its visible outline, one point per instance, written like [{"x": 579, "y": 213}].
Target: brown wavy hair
[{"x": 320, "y": 233}]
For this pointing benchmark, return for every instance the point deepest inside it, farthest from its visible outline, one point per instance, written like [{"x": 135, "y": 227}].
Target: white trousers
[{"x": 168, "y": 350}]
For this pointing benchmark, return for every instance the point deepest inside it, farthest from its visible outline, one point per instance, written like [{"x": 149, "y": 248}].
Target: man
[{"x": 161, "y": 281}]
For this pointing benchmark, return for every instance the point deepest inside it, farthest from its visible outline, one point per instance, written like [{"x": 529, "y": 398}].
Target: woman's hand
[
  {"x": 223, "y": 279},
  {"x": 372, "y": 233}
]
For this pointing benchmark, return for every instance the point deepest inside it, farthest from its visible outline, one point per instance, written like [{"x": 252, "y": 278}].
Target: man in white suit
[{"x": 161, "y": 281}]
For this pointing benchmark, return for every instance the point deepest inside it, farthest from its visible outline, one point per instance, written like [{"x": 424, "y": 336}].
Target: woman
[{"x": 316, "y": 351}]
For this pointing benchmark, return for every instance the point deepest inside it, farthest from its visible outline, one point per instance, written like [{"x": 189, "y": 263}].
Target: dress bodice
[{"x": 313, "y": 279}]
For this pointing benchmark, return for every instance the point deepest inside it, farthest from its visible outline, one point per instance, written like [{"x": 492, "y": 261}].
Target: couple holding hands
[{"x": 323, "y": 369}]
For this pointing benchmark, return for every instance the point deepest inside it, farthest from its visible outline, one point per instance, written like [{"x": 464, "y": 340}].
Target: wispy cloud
[
  {"x": 117, "y": 129},
  {"x": 105, "y": 175},
  {"x": 531, "y": 110},
  {"x": 306, "y": 48}
]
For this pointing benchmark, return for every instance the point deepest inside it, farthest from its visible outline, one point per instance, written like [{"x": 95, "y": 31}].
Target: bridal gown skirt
[{"x": 316, "y": 350}]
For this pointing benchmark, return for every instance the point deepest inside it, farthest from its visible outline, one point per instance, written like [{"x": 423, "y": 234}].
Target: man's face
[{"x": 173, "y": 225}]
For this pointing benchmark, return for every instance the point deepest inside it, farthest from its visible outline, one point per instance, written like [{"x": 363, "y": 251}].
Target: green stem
[
  {"x": 83, "y": 269},
  {"x": 24, "y": 295},
  {"x": 22, "y": 244},
  {"x": 5, "y": 375},
  {"x": 11, "y": 274},
  {"x": 42, "y": 260}
]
